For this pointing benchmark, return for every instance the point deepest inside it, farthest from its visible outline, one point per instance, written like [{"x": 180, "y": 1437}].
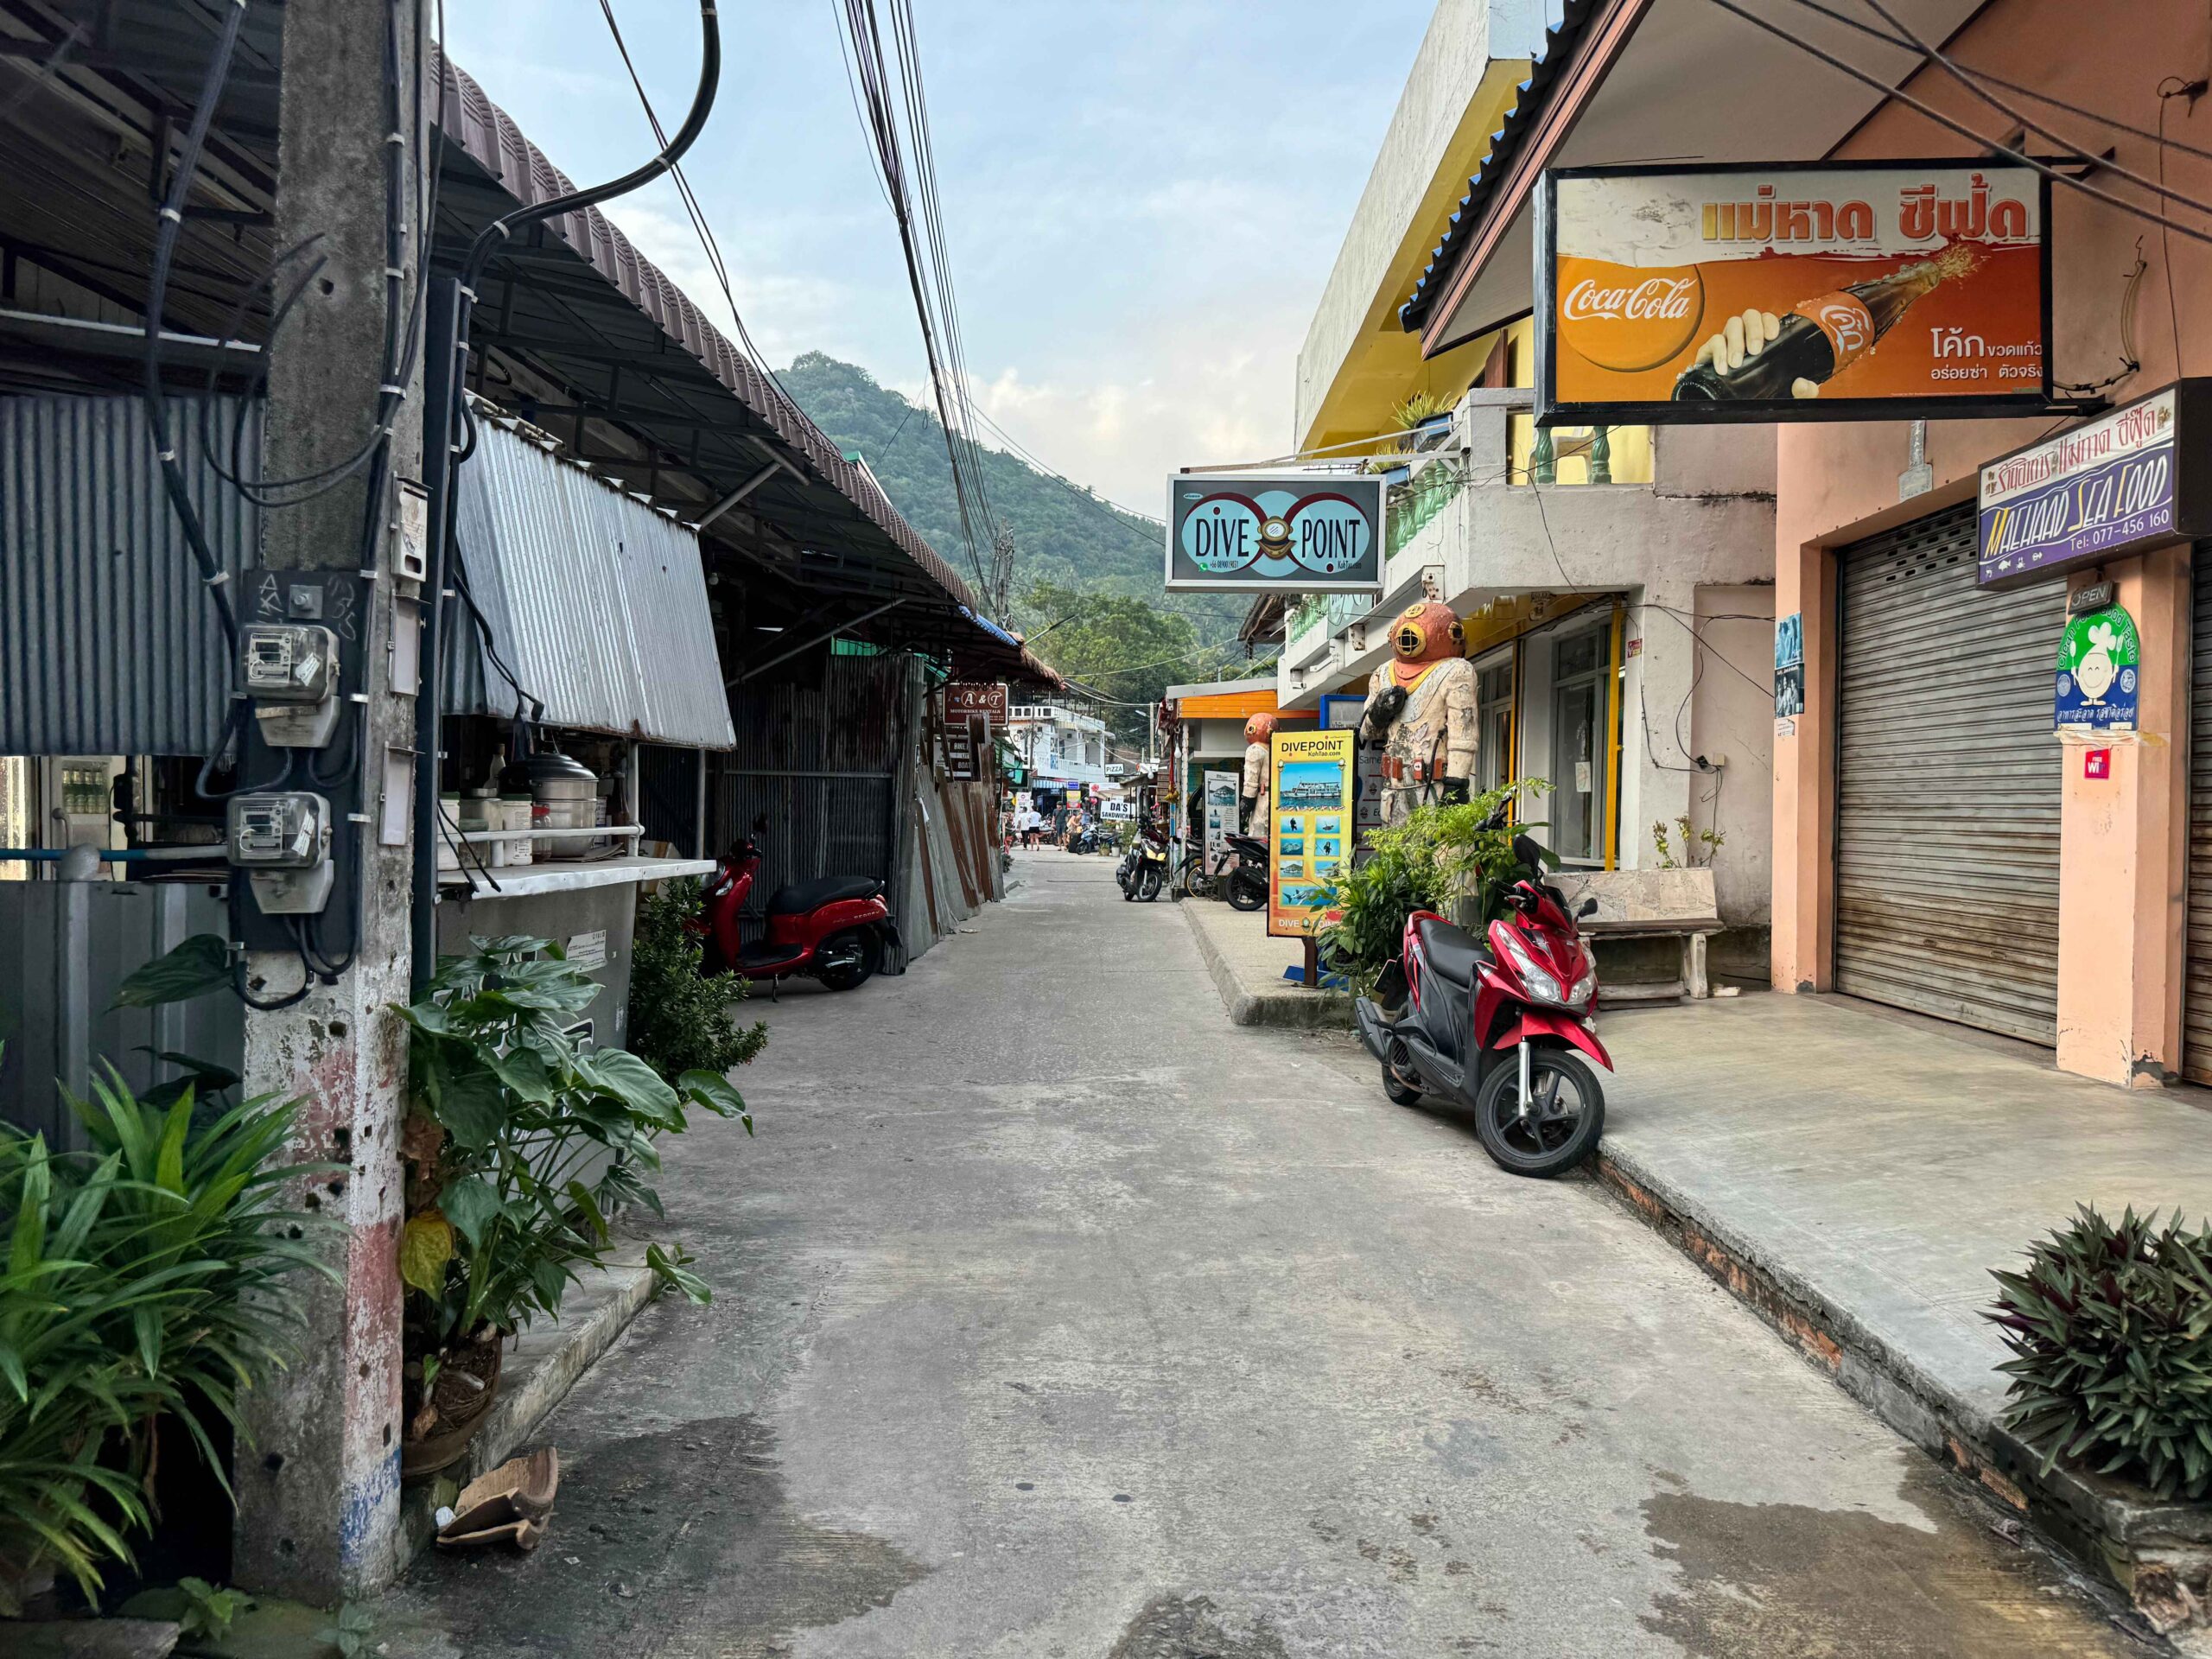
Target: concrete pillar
[
  {"x": 1655, "y": 771},
  {"x": 319, "y": 1488},
  {"x": 2124, "y": 854},
  {"x": 1804, "y": 780}
]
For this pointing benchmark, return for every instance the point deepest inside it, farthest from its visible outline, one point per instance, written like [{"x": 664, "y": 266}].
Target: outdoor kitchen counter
[{"x": 522, "y": 880}]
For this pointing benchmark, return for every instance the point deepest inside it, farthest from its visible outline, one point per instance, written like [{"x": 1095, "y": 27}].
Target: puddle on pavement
[
  {"x": 1758, "y": 1579},
  {"x": 685, "y": 1543},
  {"x": 1189, "y": 1627}
]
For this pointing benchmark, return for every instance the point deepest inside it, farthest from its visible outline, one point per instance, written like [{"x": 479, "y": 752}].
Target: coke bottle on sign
[{"x": 1817, "y": 340}]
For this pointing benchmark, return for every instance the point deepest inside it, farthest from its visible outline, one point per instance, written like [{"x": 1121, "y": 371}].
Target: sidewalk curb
[
  {"x": 1296, "y": 1009},
  {"x": 615, "y": 1295},
  {"x": 2105, "y": 1530}
]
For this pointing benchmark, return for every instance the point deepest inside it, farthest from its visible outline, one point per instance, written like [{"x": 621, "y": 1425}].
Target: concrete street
[{"x": 1058, "y": 1318}]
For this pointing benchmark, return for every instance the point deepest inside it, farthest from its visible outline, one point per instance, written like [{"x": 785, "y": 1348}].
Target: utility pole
[{"x": 318, "y": 1489}]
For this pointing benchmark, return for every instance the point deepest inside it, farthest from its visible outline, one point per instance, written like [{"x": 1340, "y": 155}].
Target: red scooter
[
  {"x": 1497, "y": 1025},
  {"x": 837, "y": 929}
]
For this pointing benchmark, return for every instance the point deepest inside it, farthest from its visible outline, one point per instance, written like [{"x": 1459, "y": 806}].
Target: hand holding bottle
[{"x": 1743, "y": 338}]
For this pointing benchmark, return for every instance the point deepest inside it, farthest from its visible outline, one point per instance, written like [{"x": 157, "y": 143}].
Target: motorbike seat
[
  {"x": 796, "y": 898},
  {"x": 1453, "y": 952}
]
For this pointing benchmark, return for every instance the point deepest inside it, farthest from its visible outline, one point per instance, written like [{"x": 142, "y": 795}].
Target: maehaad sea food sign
[
  {"x": 2112, "y": 485},
  {"x": 1298, "y": 532},
  {"x": 1880, "y": 291}
]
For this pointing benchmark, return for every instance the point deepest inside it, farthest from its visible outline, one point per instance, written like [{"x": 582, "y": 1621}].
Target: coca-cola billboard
[{"x": 1886, "y": 290}]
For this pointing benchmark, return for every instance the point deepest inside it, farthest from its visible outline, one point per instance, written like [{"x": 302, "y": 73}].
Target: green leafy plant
[
  {"x": 1438, "y": 858},
  {"x": 349, "y": 1634},
  {"x": 679, "y": 1017},
  {"x": 1697, "y": 846},
  {"x": 2110, "y": 1327},
  {"x": 510, "y": 1113},
  {"x": 198, "y": 967},
  {"x": 145, "y": 1284},
  {"x": 208, "y": 1613}
]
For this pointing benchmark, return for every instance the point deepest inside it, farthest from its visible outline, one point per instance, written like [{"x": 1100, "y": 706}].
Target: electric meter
[
  {"x": 290, "y": 670},
  {"x": 282, "y": 840}
]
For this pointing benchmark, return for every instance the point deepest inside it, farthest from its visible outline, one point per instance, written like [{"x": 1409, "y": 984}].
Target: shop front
[{"x": 1994, "y": 803}]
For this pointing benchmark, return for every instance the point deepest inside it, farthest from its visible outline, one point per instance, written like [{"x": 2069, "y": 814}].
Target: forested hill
[{"x": 1064, "y": 537}]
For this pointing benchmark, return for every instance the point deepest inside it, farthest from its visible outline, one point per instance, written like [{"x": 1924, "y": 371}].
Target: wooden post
[{"x": 1312, "y": 963}]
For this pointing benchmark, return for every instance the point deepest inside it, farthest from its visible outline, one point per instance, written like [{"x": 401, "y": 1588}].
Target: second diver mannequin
[
  {"x": 1254, "y": 789},
  {"x": 1421, "y": 712}
]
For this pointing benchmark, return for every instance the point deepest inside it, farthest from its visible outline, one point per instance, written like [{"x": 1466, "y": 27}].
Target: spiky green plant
[
  {"x": 144, "y": 1283},
  {"x": 2110, "y": 1332}
]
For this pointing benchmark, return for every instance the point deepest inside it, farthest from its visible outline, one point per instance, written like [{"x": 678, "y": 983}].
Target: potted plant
[{"x": 520, "y": 1142}]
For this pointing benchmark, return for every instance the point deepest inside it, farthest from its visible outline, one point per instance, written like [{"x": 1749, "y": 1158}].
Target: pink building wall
[{"x": 2124, "y": 840}]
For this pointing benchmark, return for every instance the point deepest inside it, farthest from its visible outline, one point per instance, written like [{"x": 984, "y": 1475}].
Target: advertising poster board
[
  {"x": 1291, "y": 533},
  {"x": 1309, "y": 825},
  {"x": 1342, "y": 715},
  {"x": 1880, "y": 290},
  {"x": 1221, "y": 810}
]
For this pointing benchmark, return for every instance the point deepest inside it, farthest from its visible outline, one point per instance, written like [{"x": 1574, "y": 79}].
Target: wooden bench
[{"x": 1648, "y": 904}]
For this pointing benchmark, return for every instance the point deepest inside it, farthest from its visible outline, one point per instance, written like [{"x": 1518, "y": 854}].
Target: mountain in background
[{"x": 1065, "y": 537}]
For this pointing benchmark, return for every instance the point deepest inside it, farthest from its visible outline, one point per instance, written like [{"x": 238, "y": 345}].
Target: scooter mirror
[
  {"x": 1587, "y": 907},
  {"x": 761, "y": 823},
  {"x": 1527, "y": 854}
]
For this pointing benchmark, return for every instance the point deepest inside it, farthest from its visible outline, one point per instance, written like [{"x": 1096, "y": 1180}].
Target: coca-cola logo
[
  {"x": 1625, "y": 320},
  {"x": 1660, "y": 298}
]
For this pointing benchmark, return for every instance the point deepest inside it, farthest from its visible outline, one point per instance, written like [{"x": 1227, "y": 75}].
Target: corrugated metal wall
[
  {"x": 597, "y": 601},
  {"x": 668, "y": 786},
  {"x": 816, "y": 755},
  {"x": 94, "y": 572},
  {"x": 1947, "y": 784}
]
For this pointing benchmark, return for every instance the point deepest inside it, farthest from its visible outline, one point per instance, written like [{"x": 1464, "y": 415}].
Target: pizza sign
[{"x": 1297, "y": 533}]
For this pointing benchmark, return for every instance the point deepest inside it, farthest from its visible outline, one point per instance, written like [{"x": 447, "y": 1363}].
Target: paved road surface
[{"x": 1059, "y": 1319}]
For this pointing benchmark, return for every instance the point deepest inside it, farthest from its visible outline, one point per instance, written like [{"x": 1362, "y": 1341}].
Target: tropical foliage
[
  {"x": 2110, "y": 1327},
  {"x": 1439, "y": 857},
  {"x": 680, "y": 1017},
  {"x": 521, "y": 1139},
  {"x": 146, "y": 1284}
]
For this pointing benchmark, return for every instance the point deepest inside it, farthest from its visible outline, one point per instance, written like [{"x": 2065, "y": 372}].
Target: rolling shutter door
[
  {"x": 1948, "y": 783},
  {"x": 2196, "y": 995}
]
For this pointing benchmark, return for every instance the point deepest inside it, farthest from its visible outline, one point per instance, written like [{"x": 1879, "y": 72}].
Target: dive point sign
[{"x": 1311, "y": 532}]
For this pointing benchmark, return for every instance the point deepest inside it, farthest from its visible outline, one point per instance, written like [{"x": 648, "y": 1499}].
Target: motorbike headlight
[
  {"x": 1541, "y": 984},
  {"x": 1585, "y": 982}
]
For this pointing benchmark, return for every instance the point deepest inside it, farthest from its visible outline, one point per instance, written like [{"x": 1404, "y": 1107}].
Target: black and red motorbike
[
  {"x": 1501, "y": 1023},
  {"x": 837, "y": 929}
]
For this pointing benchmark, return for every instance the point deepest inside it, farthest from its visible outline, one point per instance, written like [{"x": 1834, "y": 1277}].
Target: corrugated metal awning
[{"x": 596, "y": 601}]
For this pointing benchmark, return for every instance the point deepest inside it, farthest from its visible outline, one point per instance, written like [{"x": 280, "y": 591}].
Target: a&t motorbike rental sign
[
  {"x": 1883, "y": 290},
  {"x": 1292, "y": 533}
]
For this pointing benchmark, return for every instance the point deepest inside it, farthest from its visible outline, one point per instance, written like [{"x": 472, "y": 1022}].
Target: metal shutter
[
  {"x": 2196, "y": 995},
  {"x": 1948, "y": 782}
]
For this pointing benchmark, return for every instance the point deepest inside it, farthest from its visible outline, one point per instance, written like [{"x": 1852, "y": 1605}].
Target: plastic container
[
  {"x": 516, "y": 810},
  {"x": 449, "y": 855}
]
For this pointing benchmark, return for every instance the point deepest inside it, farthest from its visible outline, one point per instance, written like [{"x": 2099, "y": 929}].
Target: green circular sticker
[{"x": 2100, "y": 667}]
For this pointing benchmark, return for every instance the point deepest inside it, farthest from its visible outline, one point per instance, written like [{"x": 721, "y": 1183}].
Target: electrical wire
[
  {"x": 700, "y": 226},
  {"x": 1989, "y": 78},
  {"x": 1932, "y": 113}
]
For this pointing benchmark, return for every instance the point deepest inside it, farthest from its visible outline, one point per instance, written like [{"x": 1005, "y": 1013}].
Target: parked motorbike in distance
[
  {"x": 837, "y": 929},
  {"x": 1246, "y": 883},
  {"x": 1144, "y": 867},
  {"x": 1500, "y": 1025}
]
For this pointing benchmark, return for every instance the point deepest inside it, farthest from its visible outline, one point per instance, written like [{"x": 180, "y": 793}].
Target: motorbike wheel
[
  {"x": 1400, "y": 1081},
  {"x": 852, "y": 958},
  {"x": 1555, "y": 1136},
  {"x": 1148, "y": 883},
  {"x": 1247, "y": 891}
]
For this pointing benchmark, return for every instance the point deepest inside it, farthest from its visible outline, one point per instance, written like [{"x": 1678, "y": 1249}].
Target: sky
[{"x": 1142, "y": 197}]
